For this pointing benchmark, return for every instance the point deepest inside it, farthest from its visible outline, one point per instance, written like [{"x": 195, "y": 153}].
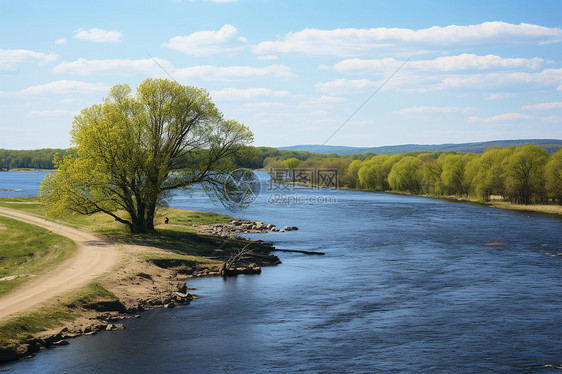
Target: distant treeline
[
  {"x": 524, "y": 174},
  {"x": 259, "y": 157},
  {"x": 34, "y": 159},
  {"x": 251, "y": 157}
]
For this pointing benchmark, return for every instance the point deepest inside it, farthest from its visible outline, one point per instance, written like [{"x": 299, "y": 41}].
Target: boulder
[
  {"x": 115, "y": 326},
  {"x": 33, "y": 346},
  {"x": 60, "y": 342},
  {"x": 182, "y": 287}
]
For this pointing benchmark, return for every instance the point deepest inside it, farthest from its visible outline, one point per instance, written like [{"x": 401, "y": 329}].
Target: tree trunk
[
  {"x": 150, "y": 210},
  {"x": 138, "y": 225}
]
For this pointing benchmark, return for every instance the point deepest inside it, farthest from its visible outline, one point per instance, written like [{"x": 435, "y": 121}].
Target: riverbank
[
  {"x": 554, "y": 210},
  {"x": 152, "y": 273},
  {"x": 495, "y": 202}
]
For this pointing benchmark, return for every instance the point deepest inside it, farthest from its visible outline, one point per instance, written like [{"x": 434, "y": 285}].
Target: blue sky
[{"x": 293, "y": 71}]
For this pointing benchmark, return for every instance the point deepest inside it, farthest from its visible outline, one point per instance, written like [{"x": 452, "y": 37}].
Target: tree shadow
[{"x": 188, "y": 243}]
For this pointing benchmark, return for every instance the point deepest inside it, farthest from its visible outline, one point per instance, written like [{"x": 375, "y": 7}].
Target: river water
[{"x": 406, "y": 285}]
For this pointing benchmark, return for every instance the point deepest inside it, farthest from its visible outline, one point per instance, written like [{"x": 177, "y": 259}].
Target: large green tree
[
  {"x": 553, "y": 175},
  {"x": 405, "y": 175},
  {"x": 524, "y": 170},
  {"x": 123, "y": 162}
]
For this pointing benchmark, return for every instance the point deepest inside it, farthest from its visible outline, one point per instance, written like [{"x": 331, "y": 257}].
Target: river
[{"x": 406, "y": 285}]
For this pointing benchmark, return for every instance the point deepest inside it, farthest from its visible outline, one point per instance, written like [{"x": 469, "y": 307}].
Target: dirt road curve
[{"x": 92, "y": 258}]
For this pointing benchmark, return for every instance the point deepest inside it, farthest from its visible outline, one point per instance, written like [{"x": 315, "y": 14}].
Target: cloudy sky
[{"x": 356, "y": 73}]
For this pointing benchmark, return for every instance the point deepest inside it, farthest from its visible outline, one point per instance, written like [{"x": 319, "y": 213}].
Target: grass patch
[
  {"x": 19, "y": 329},
  {"x": 186, "y": 218},
  {"x": 550, "y": 209},
  {"x": 28, "y": 249},
  {"x": 179, "y": 257},
  {"x": 178, "y": 236},
  {"x": 26, "y": 204}
]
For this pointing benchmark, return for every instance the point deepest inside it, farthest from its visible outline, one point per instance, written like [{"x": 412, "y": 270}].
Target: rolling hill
[{"x": 551, "y": 145}]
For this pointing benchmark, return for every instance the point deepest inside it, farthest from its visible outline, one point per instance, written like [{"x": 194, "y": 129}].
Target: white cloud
[
  {"x": 210, "y": 72},
  {"x": 10, "y": 59},
  {"x": 324, "y": 100},
  {"x": 433, "y": 109},
  {"x": 86, "y": 67},
  {"x": 548, "y": 78},
  {"x": 214, "y": 1},
  {"x": 49, "y": 113},
  {"x": 461, "y": 62},
  {"x": 319, "y": 113},
  {"x": 344, "y": 85},
  {"x": 502, "y": 118},
  {"x": 60, "y": 41},
  {"x": 98, "y": 35},
  {"x": 353, "y": 42},
  {"x": 267, "y": 57},
  {"x": 72, "y": 100},
  {"x": 246, "y": 93},
  {"x": 59, "y": 87},
  {"x": 498, "y": 95},
  {"x": 553, "y": 105},
  {"x": 419, "y": 81},
  {"x": 264, "y": 105},
  {"x": 206, "y": 43}
]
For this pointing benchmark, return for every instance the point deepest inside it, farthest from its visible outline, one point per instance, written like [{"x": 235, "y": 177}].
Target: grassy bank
[
  {"x": 19, "y": 329},
  {"x": 27, "y": 250},
  {"x": 178, "y": 236},
  {"x": 138, "y": 276},
  {"x": 550, "y": 209}
]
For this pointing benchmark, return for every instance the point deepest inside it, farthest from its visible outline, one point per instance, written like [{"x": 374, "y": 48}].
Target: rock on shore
[{"x": 240, "y": 226}]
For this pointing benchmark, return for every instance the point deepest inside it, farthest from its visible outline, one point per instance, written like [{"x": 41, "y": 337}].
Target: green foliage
[
  {"x": 28, "y": 249},
  {"x": 553, "y": 176},
  {"x": 128, "y": 150},
  {"x": 524, "y": 174},
  {"x": 33, "y": 159},
  {"x": 453, "y": 176},
  {"x": 291, "y": 163},
  {"x": 352, "y": 174},
  {"x": 524, "y": 170},
  {"x": 404, "y": 175}
]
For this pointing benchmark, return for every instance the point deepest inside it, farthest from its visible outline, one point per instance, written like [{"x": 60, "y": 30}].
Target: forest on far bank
[
  {"x": 28, "y": 159},
  {"x": 525, "y": 174},
  {"x": 520, "y": 174}
]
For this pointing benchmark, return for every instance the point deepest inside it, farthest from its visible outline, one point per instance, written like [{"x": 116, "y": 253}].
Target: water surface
[{"x": 406, "y": 285}]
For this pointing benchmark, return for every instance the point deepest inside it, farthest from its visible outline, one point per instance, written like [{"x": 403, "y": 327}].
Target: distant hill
[{"x": 551, "y": 145}]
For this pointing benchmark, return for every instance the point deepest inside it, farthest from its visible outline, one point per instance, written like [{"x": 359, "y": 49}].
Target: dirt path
[{"x": 93, "y": 257}]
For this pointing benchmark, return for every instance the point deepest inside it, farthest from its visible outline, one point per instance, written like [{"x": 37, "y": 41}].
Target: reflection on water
[{"x": 406, "y": 285}]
